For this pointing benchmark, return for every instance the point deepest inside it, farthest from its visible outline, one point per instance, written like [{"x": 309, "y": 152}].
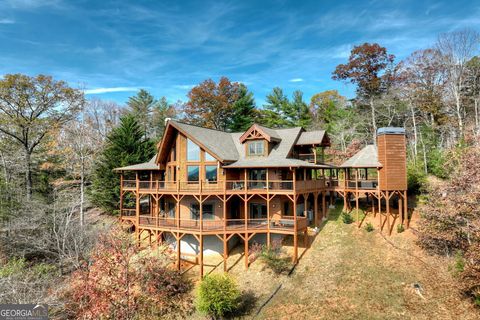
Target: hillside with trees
[{"x": 59, "y": 193}]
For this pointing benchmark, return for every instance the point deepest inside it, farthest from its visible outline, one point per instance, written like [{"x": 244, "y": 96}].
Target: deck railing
[
  {"x": 218, "y": 186},
  {"x": 284, "y": 223},
  {"x": 360, "y": 184}
]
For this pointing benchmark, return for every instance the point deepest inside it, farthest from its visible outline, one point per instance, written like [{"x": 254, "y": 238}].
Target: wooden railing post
[
  {"x": 137, "y": 208},
  {"x": 201, "y": 213},
  {"x": 245, "y": 209}
]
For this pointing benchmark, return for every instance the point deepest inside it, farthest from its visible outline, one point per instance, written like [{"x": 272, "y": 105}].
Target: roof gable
[
  {"x": 259, "y": 132},
  {"x": 217, "y": 143}
]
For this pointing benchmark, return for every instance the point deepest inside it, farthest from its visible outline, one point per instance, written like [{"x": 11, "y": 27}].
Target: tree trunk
[
  {"x": 415, "y": 137},
  {"x": 458, "y": 107},
  {"x": 424, "y": 154},
  {"x": 82, "y": 191},
  {"x": 374, "y": 121},
  {"x": 28, "y": 173},
  {"x": 477, "y": 127}
]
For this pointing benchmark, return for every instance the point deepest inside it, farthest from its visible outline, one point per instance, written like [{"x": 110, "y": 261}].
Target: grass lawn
[{"x": 349, "y": 273}]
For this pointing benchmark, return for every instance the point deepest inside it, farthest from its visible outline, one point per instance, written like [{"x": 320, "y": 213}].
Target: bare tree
[
  {"x": 457, "y": 48},
  {"x": 102, "y": 116},
  {"x": 30, "y": 108}
]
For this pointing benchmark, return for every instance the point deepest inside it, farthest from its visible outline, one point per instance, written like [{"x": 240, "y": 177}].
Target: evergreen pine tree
[
  {"x": 161, "y": 110},
  {"x": 126, "y": 145},
  {"x": 141, "y": 106},
  {"x": 275, "y": 114},
  {"x": 243, "y": 111},
  {"x": 298, "y": 111},
  {"x": 279, "y": 112}
]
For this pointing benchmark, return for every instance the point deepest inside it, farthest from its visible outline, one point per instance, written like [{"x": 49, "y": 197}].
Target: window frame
[
  {"x": 190, "y": 144},
  {"x": 198, "y": 173},
  {"x": 255, "y": 144},
  {"x": 209, "y": 157},
  {"x": 195, "y": 211},
  {"x": 216, "y": 173}
]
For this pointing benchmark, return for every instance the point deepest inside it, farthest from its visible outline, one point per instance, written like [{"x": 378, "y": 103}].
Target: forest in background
[{"x": 58, "y": 149}]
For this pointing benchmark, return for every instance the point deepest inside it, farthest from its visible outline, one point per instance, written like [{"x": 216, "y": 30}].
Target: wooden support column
[
  {"x": 201, "y": 255},
  {"x": 315, "y": 208},
  {"x": 373, "y": 206},
  {"x": 400, "y": 208},
  {"x": 268, "y": 209},
  {"x": 357, "y": 208},
  {"x": 137, "y": 209},
  {"x": 268, "y": 221},
  {"x": 245, "y": 201},
  {"x": 200, "y": 202},
  {"x": 387, "y": 199},
  {"x": 324, "y": 204},
  {"x": 405, "y": 208},
  {"x": 178, "y": 251},
  {"x": 246, "y": 250},
  {"x": 177, "y": 211},
  {"x": 380, "y": 210},
  {"x": 295, "y": 233},
  {"x": 225, "y": 252}
]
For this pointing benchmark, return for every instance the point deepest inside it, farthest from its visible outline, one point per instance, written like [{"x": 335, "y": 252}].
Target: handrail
[{"x": 218, "y": 224}]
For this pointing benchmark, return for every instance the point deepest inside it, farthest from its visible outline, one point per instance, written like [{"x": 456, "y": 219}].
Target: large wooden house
[{"x": 209, "y": 190}]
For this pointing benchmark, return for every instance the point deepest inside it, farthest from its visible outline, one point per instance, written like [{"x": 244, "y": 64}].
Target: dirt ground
[{"x": 349, "y": 273}]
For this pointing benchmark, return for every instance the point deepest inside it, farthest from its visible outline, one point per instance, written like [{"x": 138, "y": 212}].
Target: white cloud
[
  {"x": 108, "y": 90},
  {"x": 32, "y": 4},
  {"x": 7, "y": 21},
  {"x": 184, "y": 86},
  {"x": 296, "y": 80}
]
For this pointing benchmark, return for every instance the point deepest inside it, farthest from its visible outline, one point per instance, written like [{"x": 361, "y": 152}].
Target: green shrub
[
  {"x": 369, "y": 227},
  {"x": 400, "y": 228},
  {"x": 218, "y": 295},
  {"x": 347, "y": 217},
  {"x": 477, "y": 300},
  {"x": 13, "y": 266},
  {"x": 416, "y": 178},
  {"x": 436, "y": 163},
  {"x": 277, "y": 264}
]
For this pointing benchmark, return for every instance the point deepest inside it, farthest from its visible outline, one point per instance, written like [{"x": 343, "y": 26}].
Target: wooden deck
[
  {"x": 227, "y": 187},
  {"x": 284, "y": 225}
]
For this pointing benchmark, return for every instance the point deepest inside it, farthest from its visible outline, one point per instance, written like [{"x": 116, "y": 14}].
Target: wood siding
[{"x": 393, "y": 156}]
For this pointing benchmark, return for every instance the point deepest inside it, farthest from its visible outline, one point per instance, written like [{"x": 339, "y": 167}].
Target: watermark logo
[{"x": 23, "y": 312}]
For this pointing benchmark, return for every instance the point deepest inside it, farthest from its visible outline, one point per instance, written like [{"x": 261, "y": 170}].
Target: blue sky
[{"x": 113, "y": 48}]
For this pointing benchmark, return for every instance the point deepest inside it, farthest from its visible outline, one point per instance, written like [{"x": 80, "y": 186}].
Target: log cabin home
[{"x": 206, "y": 190}]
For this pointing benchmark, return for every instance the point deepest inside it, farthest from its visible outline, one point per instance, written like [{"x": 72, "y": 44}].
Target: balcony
[
  {"x": 229, "y": 186},
  {"x": 239, "y": 225},
  {"x": 361, "y": 184}
]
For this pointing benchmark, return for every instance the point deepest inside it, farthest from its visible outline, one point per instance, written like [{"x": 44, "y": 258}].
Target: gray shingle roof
[
  {"x": 218, "y": 142},
  {"x": 278, "y": 156},
  {"x": 227, "y": 146},
  {"x": 271, "y": 132},
  {"x": 150, "y": 165},
  {"x": 311, "y": 137},
  {"x": 365, "y": 158}
]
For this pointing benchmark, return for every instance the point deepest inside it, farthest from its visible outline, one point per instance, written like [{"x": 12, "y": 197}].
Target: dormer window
[{"x": 256, "y": 148}]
